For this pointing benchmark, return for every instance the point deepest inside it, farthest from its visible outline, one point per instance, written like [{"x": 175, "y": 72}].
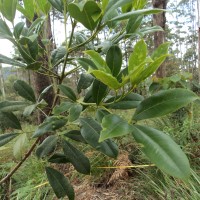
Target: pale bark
[{"x": 198, "y": 9}]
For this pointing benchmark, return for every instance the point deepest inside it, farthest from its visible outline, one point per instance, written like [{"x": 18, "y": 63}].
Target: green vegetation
[{"x": 82, "y": 127}]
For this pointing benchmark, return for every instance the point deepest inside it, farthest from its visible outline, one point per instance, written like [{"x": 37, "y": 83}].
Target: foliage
[{"x": 109, "y": 85}]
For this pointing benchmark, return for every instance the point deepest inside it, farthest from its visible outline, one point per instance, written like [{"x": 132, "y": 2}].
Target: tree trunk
[
  {"x": 198, "y": 9},
  {"x": 159, "y": 37},
  {"x": 40, "y": 81},
  {"x": 2, "y": 83}
]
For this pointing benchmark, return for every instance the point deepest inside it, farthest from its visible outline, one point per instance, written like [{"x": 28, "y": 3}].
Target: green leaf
[
  {"x": 34, "y": 66},
  {"x": 77, "y": 158},
  {"x": 63, "y": 107},
  {"x": 24, "y": 90},
  {"x": 6, "y": 60},
  {"x": 47, "y": 146},
  {"x": 8, "y": 9},
  {"x": 44, "y": 6},
  {"x": 49, "y": 125},
  {"x": 75, "y": 135},
  {"x": 138, "y": 56},
  {"x": 9, "y": 120},
  {"x": 164, "y": 102},
  {"x": 130, "y": 101},
  {"x": 18, "y": 29},
  {"x": 162, "y": 151},
  {"x": 10, "y": 106},
  {"x": 90, "y": 130},
  {"x": 85, "y": 13},
  {"x": 60, "y": 184},
  {"x": 86, "y": 63},
  {"x": 146, "y": 30},
  {"x": 67, "y": 91},
  {"x": 114, "y": 126},
  {"x": 57, "y": 4},
  {"x": 7, "y": 137},
  {"x": 99, "y": 91},
  {"x": 160, "y": 51},
  {"x": 58, "y": 54},
  {"x": 5, "y": 32},
  {"x": 133, "y": 24},
  {"x": 107, "y": 79},
  {"x": 20, "y": 146},
  {"x": 114, "y": 60},
  {"x": 136, "y": 12},
  {"x": 98, "y": 61},
  {"x": 112, "y": 5},
  {"x": 28, "y": 10},
  {"x": 58, "y": 158},
  {"x": 100, "y": 114},
  {"x": 74, "y": 112},
  {"x": 29, "y": 110},
  {"x": 84, "y": 82}
]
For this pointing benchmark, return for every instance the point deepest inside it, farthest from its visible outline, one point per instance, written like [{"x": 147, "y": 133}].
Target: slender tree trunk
[
  {"x": 159, "y": 37},
  {"x": 40, "y": 81},
  {"x": 2, "y": 83},
  {"x": 198, "y": 9}
]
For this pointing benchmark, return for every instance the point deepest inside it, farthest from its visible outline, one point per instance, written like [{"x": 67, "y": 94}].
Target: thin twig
[{"x": 9, "y": 175}]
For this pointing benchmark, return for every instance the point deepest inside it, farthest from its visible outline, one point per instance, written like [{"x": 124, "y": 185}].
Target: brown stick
[{"x": 9, "y": 175}]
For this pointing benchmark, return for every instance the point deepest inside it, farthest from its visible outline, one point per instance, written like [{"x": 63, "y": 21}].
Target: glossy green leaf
[
  {"x": 114, "y": 60},
  {"x": 58, "y": 158},
  {"x": 9, "y": 120},
  {"x": 112, "y": 5},
  {"x": 10, "y": 106},
  {"x": 75, "y": 135},
  {"x": 44, "y": 6},
  {"x": 84, "y": 82},
  {"x": 130, "y": 101},
  {"x": 34, "y": 66},
  {"x": 63, "y": 107},
  {"x": 99, "y": 91},
  {"x": 138, "y": 56},
  {"x": 24, "y": 90},
  {"x": 160, "y": 51},
  {"x": 28, "y": 9},
  {"x": 90, "y": 130},
  {"x": 98, "y": 61},
  {"x": 147, "y": 30},
  {"x": 29, "y": 110},
  {"x": 57, "y": 4},
  {"x": 85, "y": 13},
  {"x": 107, "y": 79},
  {"x": 6, "y": 60},
  {"x": 74, "y": 112},
  {"x": 58, "y": 54},
  {"x": 19, "y": 147},
  {"x": 49, "y": 125},
  {"x": 100, "y": 114},
  {"x": 137, "y": 12},
  {"x": 86, "y": 63},
  {"x": 8, "y": 9},
  {"x": 113, "y": 126},
  {"x": 18, "y": 29},
  {"x": 67, "y": 91},
  {"x": 162, "y": 151},
  {"x": 164, "y": 102},
  {"x": 77, "y": 158},
  {"x": 7, "y": 137},
  {"x": 133, "y": 24},
  {"x": 47, "y": 146},
  {"x": 30, "y": 44},
  {"x": 5, "y": 32},
  {"x": 60, "y": 184}
]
